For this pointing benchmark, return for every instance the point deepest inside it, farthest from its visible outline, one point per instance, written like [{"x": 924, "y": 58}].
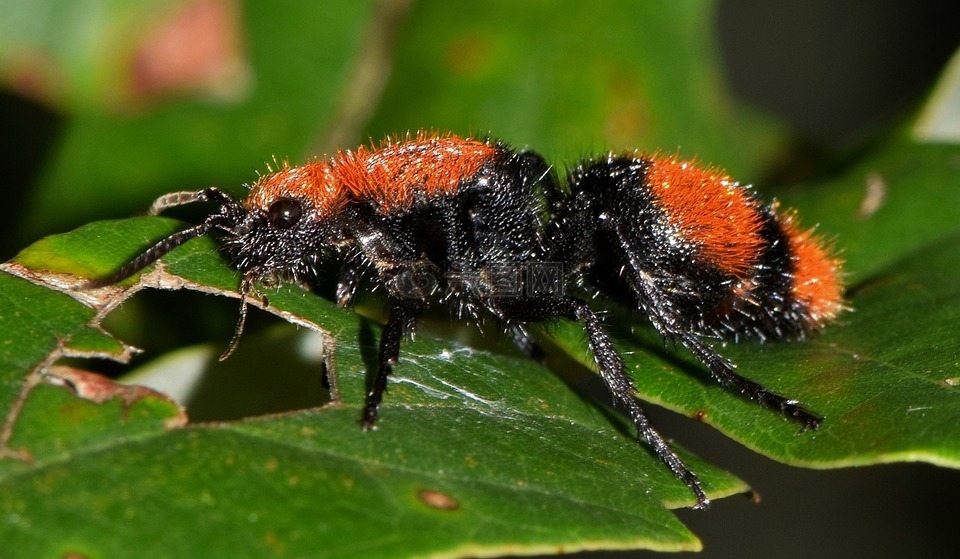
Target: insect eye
[{"x": 284, "y": 213}]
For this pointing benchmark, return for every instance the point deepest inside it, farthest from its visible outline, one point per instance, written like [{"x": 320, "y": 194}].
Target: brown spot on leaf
[
  {"x": 874, "y": 195},
  {"x": 99, "y": 389},
  {"x": 437, "y": 499}
]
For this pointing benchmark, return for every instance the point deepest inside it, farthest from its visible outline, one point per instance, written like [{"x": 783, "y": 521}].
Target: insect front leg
[{"x": 349, "y": 279}]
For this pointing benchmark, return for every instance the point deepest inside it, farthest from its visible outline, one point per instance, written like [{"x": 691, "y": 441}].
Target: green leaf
[
  {"x": 473, "y": 442},
  {"x": 39, "y": 325},
  {"x": 914, "y": 188},
  {"x": 477, "y": 453}
]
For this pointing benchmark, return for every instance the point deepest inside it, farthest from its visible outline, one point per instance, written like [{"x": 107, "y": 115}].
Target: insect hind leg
[
  {"x": 612, "y": 371},
  {"x": 723, "y": 371},
  {"x": 665, "y": 319}
]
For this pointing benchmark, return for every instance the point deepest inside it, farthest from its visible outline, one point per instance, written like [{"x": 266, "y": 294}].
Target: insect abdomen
[{"x": 663, "y": 233}]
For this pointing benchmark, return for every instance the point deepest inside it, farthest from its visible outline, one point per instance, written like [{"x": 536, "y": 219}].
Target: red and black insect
[{"x": 686, "y": 246}]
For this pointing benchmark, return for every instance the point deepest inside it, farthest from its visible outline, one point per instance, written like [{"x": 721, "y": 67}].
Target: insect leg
[
  {"x": 614, "y": 373},
  {"x": 349, "y": 279},
  {"x": 525, "y": 343},
  {"x": 612, "y": 370},
  {"x": 722, "y": 370},
  {"x": 402, "y": 317},
  {"x": 665, "y": 320}
]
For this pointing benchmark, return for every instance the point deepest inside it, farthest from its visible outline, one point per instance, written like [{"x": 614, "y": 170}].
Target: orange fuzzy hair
[
  {"x": 816, "y": 282},
  {"x": 711, "y": 210},
  {"x": 391, "y": 175}
]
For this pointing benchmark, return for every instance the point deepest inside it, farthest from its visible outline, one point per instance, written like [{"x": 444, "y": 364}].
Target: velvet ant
[{"x": 497, "y": 234}]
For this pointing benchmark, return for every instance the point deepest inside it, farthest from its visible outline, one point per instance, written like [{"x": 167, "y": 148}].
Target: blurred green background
[{"x": 109, "y": 103}]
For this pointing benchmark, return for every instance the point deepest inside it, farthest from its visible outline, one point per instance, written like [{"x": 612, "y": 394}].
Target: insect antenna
[
  {"x": 245, "y": 287},
  {"x": 228, "y": 216},
  {"x": 152, "y": 254}
]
